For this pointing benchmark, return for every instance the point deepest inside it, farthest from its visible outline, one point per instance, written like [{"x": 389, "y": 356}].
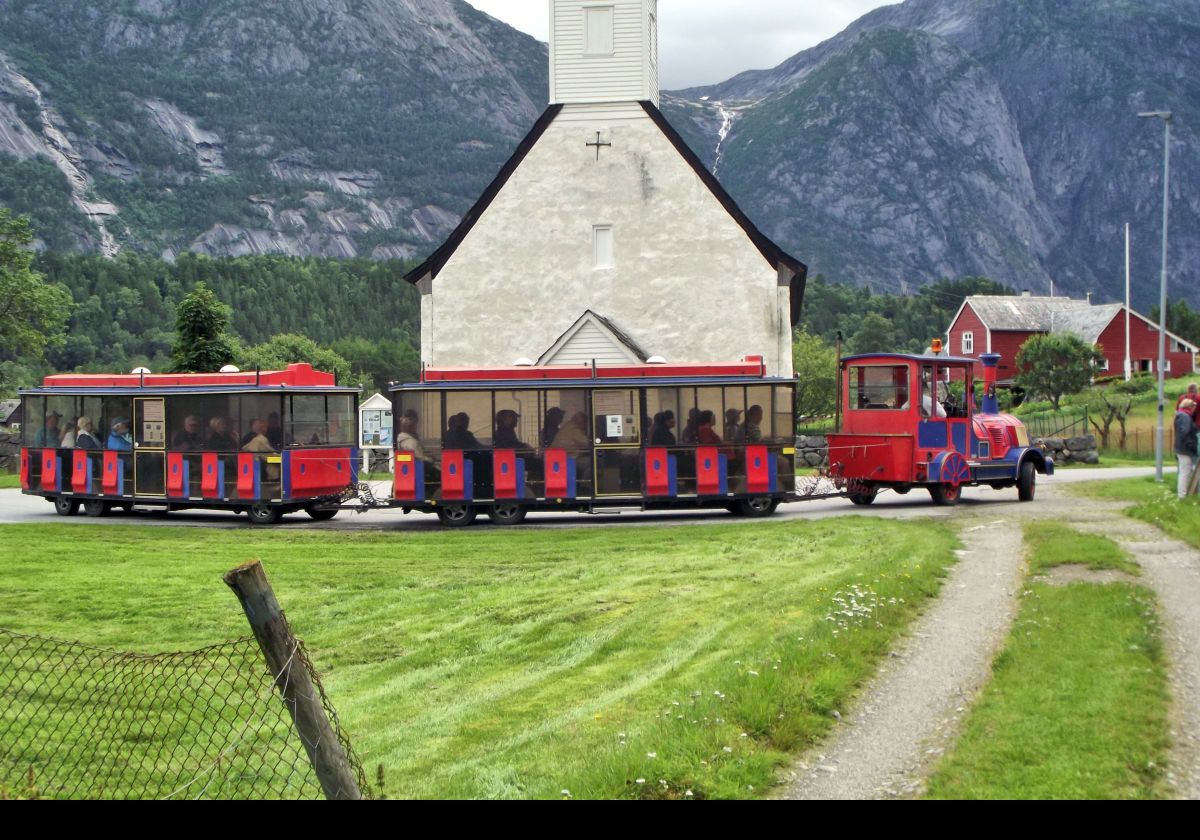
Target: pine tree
[{"x": 202, "y": 343}]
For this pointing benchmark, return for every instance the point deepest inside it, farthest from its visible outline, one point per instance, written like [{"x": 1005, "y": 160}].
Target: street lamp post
[{"x": 1165, "y": 116}]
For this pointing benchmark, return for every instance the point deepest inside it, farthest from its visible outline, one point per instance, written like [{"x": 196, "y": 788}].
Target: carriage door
[
  {"x": 616, "y": 417},
  {"x": 932, "y": 430},
  {"x": 956, "y": 390},
  {"x": 149, "y": 447}
]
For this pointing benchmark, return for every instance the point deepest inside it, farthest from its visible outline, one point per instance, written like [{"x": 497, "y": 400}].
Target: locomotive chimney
[{"x": 990, "y": 404}]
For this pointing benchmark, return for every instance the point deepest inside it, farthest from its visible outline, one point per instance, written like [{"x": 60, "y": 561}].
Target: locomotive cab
[{"x": 915, "y": 421}]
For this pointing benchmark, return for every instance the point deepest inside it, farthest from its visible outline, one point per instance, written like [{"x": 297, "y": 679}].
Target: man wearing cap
[
  {"x": 119, "y": 438},
  {"x": 1185, "y": 444},
  {"x": 49, "y": 436}
]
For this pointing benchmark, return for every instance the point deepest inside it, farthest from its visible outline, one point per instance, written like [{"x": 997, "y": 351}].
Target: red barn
[{"x": 1002, "y": 323}]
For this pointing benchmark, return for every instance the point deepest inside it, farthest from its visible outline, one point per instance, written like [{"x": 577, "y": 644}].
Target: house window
[
  {"x": 1166, "y": 365},
  {"x": 968, "y": 343},
  {"x": 598, "y": 30},
  {"x": 1104, "y": 364},
  {"x": 602, "y": 245}
]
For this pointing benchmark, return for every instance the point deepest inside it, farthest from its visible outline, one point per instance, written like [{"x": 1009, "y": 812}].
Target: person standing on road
[{"x": 1185, "y": 444}]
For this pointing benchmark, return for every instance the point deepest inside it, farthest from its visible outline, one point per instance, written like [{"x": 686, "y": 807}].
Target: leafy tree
[
  {"x": 288, "y": 348},
  {"x": 202, "y": 342},
  {"x": 1056, "y": 364},
  {"x": 873, "y": 335},
  {"x": 816, "y": 366},
  {"x": 1181, "y": 320},
  {"x": 33, "y": 314}
]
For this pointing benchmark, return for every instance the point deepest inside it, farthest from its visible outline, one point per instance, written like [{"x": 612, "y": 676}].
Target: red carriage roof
[{"x": 296, "y": 375}]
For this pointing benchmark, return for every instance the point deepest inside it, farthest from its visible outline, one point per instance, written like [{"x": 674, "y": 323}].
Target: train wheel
[
  {"x": 95, "y": 507},
  {"x": 263, "y": 514},
  {"x": 865, "y": 495},
  {"x": 1026, "y": 482},
  {"x": 758, "y": 507},
  {"x": 66, "y": 507},
  {"x": 507, "y": 514},
  {"x": 320, "y": 514},
  {"x": 456, "y": 516},
  {"x": 945, "y": 494}
]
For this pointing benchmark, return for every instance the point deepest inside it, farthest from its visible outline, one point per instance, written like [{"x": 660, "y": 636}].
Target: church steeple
[{"x": 603, "y": 51}]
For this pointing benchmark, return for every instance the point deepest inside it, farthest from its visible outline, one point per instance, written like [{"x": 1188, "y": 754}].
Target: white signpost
[{"x": 377, "y": 430}]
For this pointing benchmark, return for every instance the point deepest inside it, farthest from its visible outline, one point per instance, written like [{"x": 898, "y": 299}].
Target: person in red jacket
[{"x": 1194, "y": 397}]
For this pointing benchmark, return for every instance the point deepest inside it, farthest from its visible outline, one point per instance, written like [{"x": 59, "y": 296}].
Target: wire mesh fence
[{"x": 84, "y": 722}]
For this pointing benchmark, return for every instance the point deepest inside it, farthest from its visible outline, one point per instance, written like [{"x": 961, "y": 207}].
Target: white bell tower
[{"x": 603, "y": 51}]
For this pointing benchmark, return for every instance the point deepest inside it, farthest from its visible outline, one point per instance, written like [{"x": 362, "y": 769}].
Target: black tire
[
  {"x": 945, "y": 494},
  {"x": 95, "y": 507},
  {"x": 263, "y": 514},
  {"x": 318, "y": 514},
  {"x": 865, "y": 495},
  {"x": 507, "y": 513},
  {"x": 1026, "y": 481},
  {"x": 66, "y": 506},
  {"x": 456, "y": 515},
  {"x": 758, "y": 507}
]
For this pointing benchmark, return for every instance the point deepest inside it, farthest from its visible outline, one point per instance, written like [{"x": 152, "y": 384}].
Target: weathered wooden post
[{"x": 249, "y": 582}]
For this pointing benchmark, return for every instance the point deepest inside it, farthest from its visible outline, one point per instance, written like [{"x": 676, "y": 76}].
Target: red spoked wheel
[{"x": 951, "y": 472}]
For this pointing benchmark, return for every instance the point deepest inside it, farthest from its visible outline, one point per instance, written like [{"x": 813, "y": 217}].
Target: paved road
[{"x": 16, "y": 508}]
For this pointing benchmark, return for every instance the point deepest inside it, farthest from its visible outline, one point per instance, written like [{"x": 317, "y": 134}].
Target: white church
[{"x": 604, "y": 238}]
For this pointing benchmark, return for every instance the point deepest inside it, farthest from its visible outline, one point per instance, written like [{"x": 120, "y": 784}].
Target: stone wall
[
  {"x": 1075, "y": 450},
  {"x": 812, "y": 451}
]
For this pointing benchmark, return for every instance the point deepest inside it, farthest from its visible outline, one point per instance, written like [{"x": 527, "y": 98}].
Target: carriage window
[
  {"x": 565, "y": 420},
  {"x": 517, "y": 420},
  {"x": 785, "y": 401},
  {"x": 662, "y": 406},
  {"x": 34, "y": 419},
  {"x": 733, "y": 422},
  {"x": 468, "y": 420},
  {"x": 617, "y": 416},
  {"x": 306, "y": 420},
  {"x": 340, "y": 408},
  {"x": 758, "y": 425},
  {"x": 879, "y": 387},
  {"x": 420, "y": 418}
]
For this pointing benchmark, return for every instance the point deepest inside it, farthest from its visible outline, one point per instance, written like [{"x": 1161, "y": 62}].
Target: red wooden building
[{"x": 1002, "y": 323}]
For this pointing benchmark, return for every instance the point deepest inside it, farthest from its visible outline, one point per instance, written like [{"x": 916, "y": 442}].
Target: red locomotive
[{"x": 912, "y": 421}]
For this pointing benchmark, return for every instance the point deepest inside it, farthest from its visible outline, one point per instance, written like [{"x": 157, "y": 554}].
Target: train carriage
[
  {"x": 265, "y": 443},
  {"x": 506, "y": 441},
  {"x": 913, "y": 421}
]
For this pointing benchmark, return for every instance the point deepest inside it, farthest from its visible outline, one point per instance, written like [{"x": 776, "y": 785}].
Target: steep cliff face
[
  {"x": 948, "y": 137},
  {"x": 331, "y": 127}
]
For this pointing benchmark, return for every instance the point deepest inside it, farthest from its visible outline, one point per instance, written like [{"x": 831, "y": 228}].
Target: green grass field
[
  {"x": 9, "y": 482},
  {"x": 1156, "y": 504},
  {"x": 1077, "y": 704},
  {"x": 616, "y": 662}
]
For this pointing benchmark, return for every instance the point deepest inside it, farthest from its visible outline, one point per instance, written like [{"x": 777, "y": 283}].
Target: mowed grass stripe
[
  {"x": 1078, "y": 702},
  {"x": 517, "y": 663}
]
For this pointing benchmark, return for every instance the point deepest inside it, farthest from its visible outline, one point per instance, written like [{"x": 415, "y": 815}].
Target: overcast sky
[{"x": 703, "y": 42}]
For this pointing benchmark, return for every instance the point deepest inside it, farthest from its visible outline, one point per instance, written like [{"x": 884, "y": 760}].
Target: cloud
[{"x": 708, "y": 41}]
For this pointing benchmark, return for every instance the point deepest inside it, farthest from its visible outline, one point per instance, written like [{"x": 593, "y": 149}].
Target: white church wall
[{"x": 686, "y": 283}]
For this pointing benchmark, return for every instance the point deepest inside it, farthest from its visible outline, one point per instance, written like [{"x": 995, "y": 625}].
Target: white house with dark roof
[
  {"x": 604, "y": 233},
  {"x": 1002, "y": 323}
]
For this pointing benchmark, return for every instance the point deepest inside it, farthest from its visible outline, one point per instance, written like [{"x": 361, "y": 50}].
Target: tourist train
[{"x": 508, "y": 441}]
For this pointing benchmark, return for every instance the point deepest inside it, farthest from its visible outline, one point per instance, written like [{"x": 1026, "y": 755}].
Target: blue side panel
[
  {"x": 257, "y": 480},
  {"x": 932, "y": 434},
  {"x": 468, "y": 478},
  {"x": 772, "y": 472},
  {"x": 419, "y": 479},
  {"x": 220, "y": 479},
  {"x": 286, "y": 468},
  {"x": 960, "y": 438},
  {"x": 673, "y": 475},
  {"x": 520, "y": 478},
  {"x": 722, "y": 474},
  {"x": 58, "y": 472},
  {"x": 571, "y": 489},
  {"x": 355, "y": 460},
  {"x": 120, "y": 476},
  {"x": 187, "y": 476}
]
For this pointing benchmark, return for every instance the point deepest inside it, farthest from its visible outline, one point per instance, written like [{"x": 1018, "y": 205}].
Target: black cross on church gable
[{"x": 597, "y": 144}]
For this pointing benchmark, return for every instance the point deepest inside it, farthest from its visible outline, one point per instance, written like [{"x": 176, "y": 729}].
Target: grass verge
[
  {"x": 615, "y": 662},
  {"x": 9, "y": 482},
  {"x": 1078, "y": 702},
  {"x": 1154, "y": 503}
]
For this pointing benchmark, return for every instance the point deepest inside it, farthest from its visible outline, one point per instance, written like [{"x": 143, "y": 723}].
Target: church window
[
  {"x": 598, "y": 30},
  {"x": 602, "y": 245}
]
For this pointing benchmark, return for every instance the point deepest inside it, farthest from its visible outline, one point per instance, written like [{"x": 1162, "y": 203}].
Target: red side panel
[
  {"x": 210, "y": 476},
  {"x": 50, "y": 470},
  {"x": 247, "y": 472},
  {"x": 872, "y": 457},
  {"x": 658, "y": 472},
  {"x": 110, "y": 485},
  {"x": 314, "y": 473},
  {"x": 504, "y": 473},
  {"x": 176, "y": 488},
  {"x": 453, "y": 481},
  {"x": 406, "y": 477},
  {"x": 79, "y": 471},
  {"x": 24, "y": 469},
  {"x": 708, "y": 470},
  {"x": 758, "y": 470},
  {"x": 556, "y": 474}
]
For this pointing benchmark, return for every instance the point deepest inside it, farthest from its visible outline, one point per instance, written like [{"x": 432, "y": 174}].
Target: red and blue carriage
[
  {"x": 265, "y": 443},
  {"x": 913, "y": 421}
]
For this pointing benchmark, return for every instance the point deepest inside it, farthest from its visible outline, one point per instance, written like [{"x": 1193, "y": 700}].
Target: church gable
[{"x": 593, "y": 339}]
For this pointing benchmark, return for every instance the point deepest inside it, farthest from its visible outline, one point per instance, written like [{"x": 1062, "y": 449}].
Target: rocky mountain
[
  {"x": 954, "y": 137},
  {"x": 314, "y": 127}
]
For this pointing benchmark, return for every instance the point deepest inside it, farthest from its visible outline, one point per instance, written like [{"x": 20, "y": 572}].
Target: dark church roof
[{"x": 773, "y": 254}]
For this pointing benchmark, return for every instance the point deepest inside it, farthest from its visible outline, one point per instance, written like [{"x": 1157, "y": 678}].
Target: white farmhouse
[{"x": 604, "y": 237}]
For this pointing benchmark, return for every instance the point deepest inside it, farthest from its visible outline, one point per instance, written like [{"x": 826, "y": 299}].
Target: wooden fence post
[{"x": 249, "y": 582}]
